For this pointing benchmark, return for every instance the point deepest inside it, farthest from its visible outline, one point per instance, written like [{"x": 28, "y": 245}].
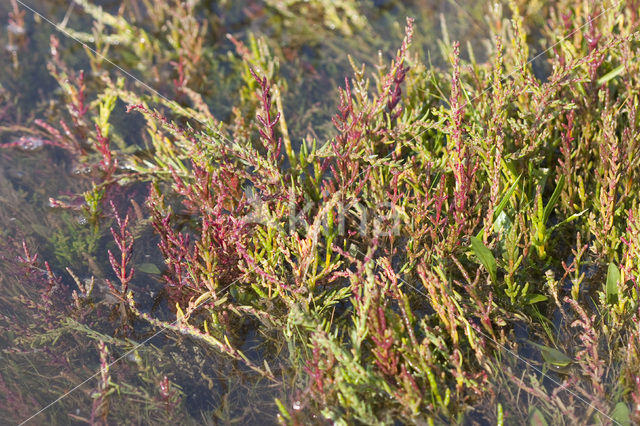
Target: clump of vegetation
[{"x": 463, "y": 246}]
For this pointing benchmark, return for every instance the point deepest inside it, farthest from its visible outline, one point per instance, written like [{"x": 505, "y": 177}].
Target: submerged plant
[{"x": 404, "y": 268}]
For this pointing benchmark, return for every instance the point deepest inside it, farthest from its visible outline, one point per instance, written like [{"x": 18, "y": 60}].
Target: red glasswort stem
[
  {"x": 108, "y": 163},
  {"x": 124, "y": 240},
  {"x": 267, "y": 132}
]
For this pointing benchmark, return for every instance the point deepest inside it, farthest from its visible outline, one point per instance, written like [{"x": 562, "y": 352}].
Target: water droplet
[
  {"x": 81, "y": 170},
  {"x": 15, "y": 29},
  {"x": 27, "y": 143},
  {"x": 297, "y": 405}
]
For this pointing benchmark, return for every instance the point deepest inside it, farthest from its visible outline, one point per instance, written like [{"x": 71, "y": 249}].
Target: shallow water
[{"x": 46, "y": 356}]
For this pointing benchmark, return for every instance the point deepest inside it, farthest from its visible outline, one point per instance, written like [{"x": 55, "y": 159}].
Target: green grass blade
[
  {"x": 621, "y": 414},
  {"x": 553, "y": 200},
  {"x": 610, "y": 75},
  {"x": 537, "y": 418},
  {"x": 502, "y": 204},
  {"x": 485, "y": 257},
  {"x": 613, "y": 278}
]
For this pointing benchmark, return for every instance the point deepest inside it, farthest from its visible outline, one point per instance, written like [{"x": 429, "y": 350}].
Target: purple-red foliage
[
  {"x": 124, "y": 240},
  {"x": 396, "y": 93},
  {"x": 318, "y": 368},
  {"x": 396, "y": 74},
  {"x": 175, "y": 248},
  {"x": 566, "y": 151},
  {"x": 78, "y": 107},
  {"x": 108, "y": 163},
  {"x": 592, "y": 37},
  {"x": 167, "y": 395},
  {"x": 344, "y": 169},
  {"x": 267, "y": 132},
  {"x": 384, "y": 350},
  {"x": 16, "y": 16},
  {"x": 463, "y": 165},
  {"x": 33, "y": 271},
  {"x": 14, "y": 401},
  {"x": 214, "y": 197},
  {"x": 100, "y": 406},
  {"x": 181, "y": 82},
  {"x": 70, "y": 138}
]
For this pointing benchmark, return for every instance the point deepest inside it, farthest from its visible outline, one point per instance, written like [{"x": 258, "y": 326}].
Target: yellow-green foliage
[{"x": 398, "y": 254}]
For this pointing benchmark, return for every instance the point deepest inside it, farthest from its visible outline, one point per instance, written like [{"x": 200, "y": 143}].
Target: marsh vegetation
[{"x": 320, "y": 212}]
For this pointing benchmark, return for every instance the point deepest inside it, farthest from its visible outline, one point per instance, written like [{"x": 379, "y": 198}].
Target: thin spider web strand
[{"x": 157, "y": 93}]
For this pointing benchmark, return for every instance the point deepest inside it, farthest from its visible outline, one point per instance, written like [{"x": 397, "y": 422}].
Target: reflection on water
[{"x": 54, "y": 318}]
